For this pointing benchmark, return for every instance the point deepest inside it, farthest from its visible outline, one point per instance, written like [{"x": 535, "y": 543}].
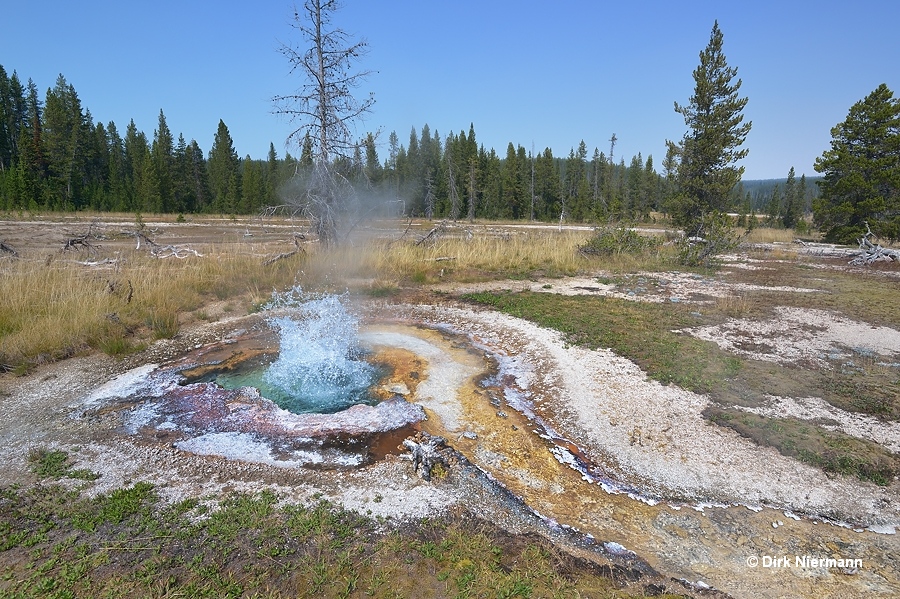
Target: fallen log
[
  {"x": 171, "y": 251},
  {"x": 104, "y": 262},
  {"x": 163, "y": 251},
  {"x": 869, "y": 252}
]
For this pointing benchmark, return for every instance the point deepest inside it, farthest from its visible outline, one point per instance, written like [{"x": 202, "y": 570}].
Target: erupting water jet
[{"x": 320, "y": 367}]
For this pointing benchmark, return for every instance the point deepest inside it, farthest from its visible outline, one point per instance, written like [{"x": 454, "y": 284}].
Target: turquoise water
[{"x": 320, "y": 366}]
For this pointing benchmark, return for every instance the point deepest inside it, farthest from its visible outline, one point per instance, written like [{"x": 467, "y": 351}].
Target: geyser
[{"x": 320, "y": 367}]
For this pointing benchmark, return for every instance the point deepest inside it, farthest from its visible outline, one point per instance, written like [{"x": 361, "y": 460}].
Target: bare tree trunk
[
  {"x": 454, "y": 193},
  {"x": 471, "y": 214},
  {"x": 429, "y": 198}
]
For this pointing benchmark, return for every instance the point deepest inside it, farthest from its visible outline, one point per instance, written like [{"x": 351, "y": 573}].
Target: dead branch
[
  {"x": 171, "y": 251},
  {"x": 76, "y": 242},
  {"x": 434, "y": 233},
  {"x": 104, "y": 262},
  {"x": 870, "y": 253},
  {"x": 298, "y": 249},
  {"x": 163, "y": 251},
  {"x": 139, "y": 236},
  {"x": 5, "y": 249},
  {"x": 80, "y": 242}
]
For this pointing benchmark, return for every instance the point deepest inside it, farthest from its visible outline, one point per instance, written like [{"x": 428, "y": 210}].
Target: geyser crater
[{"x": 299, "y": 385}]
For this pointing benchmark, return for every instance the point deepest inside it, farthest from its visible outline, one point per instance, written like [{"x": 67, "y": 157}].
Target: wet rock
[{"x": 398, "y": 389}]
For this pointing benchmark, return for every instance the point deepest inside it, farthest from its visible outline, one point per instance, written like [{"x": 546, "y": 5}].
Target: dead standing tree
[
  {"x": 454, "y": 193},
  {"x": 326, "y": 110}
]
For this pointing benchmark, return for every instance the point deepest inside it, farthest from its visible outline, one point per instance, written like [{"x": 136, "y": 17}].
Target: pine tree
[
  {"x": 163, "y": 153},
  {"x": 137, "y": 150},
  {"x": 148, "y": 198},
  {"x": 803, "y": 192},
  {"x": 635, "y": 188},
  {"x": 253, "y": 188},
  {"x": 223, "y": 172},
  {"x": 12, "y": 117},
  {"x": 116, "y": 184},
  {"x": 576, "y": 189},
  {"x": 862, "y": 172},
  {"x": 272, "y": 182},
  {"x": 32, "y": 167},
  {"x": 182, "y": 190},
  {"x": 510, "y": 206},
  {"x": 96, "y": 175},
  {"x": 548, "y": 187},
  {"x": 650, "y": 189},
  {"x": 711, "y": 147},
  {"x": 64, "y": 138},
  {"x": 791, "y": 208},
  {"x": 202, "y": 195},
  {"x": 599, "y": 206},
  {"x": 373, "y": 168}
]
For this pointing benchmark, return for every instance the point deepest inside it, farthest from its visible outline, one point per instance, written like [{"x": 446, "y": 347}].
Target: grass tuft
[{"x": 55, "y": 463}]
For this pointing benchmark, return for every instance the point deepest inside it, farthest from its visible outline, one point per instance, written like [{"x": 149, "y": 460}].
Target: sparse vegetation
[
  {"x": 831, "y": 451},
  {"x": 55, "y": 464},
  {"x": 56, "y": 543},
  {"x": 611, "y": 240},
  {"x": 646, "y": 333}
]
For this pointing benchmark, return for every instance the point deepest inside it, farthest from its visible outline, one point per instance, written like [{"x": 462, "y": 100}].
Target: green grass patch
[
  {"x": 253, "y": 546},
  {"x": 641, "y": 332},
  {"x": 831, "y": 451},
  {"x": 47, "y": 463}
]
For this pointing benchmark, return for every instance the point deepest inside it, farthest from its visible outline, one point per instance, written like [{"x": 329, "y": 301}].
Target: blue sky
[{"x": 544, "y": 73}]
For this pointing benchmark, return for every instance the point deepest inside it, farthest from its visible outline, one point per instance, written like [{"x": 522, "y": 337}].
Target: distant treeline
[
  {"x": 53, "y": 156},
  {"x": 761, "y": 192}
]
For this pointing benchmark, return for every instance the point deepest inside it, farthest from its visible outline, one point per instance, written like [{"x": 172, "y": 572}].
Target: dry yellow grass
[
  {"x": 512, "y": 254},
  {"x": 449, "y": 258},
  {"x": 767, "y": 235},
  {"x": 57, "y": 307},
  {"x": 53, "y": 309}
]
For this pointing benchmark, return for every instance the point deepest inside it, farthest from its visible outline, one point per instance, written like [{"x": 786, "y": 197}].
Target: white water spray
[{"x": 319, "y": 368}]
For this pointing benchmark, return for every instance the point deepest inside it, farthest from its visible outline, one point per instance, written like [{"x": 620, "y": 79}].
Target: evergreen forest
[{"x": 55, "y": 157}]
